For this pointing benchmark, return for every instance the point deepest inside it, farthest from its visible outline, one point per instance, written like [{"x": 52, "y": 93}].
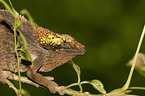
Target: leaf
[
  {"x": 26, "y": 55},
  {"x": 24, "y": 40},
  {"x": 140, "y": 63},
  {"x": 26, "y": 12},
  {"x": 77, "y": 69},
  {"x": 96, "y": 84},
  {"x": 18, "y": 43}
]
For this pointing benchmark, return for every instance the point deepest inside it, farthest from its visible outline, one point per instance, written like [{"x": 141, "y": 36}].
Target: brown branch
[
  {"x": 61, "y": 90},
  {"x": 23, "y": 79}
]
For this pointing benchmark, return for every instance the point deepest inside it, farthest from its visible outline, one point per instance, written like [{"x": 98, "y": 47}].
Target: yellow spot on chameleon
[
  {"x": 56, "y": 41},
  {"x": 48, "y": 40},
  {"x": 66, "y": 38},
  {"x": 51, "y": 36}
]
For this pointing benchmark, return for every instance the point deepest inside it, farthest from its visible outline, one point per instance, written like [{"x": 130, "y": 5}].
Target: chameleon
[{"x": 48, "y": 50}]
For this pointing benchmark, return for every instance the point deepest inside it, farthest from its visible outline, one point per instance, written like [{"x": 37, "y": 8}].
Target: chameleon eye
[{"x": 64, "y": 41}]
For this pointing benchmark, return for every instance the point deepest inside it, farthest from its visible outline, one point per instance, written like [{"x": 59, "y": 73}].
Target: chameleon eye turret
[
  {"x": 66, "y": 41},
  {"x": 70, "y": 43}
]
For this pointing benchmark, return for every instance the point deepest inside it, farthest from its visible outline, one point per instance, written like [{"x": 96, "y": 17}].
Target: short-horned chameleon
[{"x": 47, "y": 49}]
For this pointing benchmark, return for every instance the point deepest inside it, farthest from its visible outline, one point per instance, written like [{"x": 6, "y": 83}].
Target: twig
[
  {"x": 61, "y": 89},
  {"x": 12, "y": 86},
  {"x": 23, "y": 79}
]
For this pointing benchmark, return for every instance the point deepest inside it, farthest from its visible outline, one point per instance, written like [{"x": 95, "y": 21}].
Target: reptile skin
[{"x": 47, "y": 52}]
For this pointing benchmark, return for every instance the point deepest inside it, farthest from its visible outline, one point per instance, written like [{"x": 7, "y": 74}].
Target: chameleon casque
[{"x": 48, "y": 50}]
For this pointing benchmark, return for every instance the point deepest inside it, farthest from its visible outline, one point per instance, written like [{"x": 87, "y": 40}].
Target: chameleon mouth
[{"x": 73, "y": 51}]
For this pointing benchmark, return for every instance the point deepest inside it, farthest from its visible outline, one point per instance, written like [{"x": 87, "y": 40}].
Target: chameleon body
[{"x": 47, "y": 49}]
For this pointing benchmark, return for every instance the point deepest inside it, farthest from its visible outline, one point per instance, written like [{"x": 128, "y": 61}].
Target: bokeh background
[{"x": 109, "y": 29}]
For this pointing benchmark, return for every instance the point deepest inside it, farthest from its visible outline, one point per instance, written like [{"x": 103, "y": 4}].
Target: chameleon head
[{"x": 53, "y": 41}]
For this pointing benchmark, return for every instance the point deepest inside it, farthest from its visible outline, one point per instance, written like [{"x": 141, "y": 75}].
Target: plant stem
[
  {"x": 139, "y": 88},
  {"x": 15, "y": 15},
  {"x": 126, "y": 85},
  {"x": 7, "y": 7},
  {"x": 15, "y": 36}
]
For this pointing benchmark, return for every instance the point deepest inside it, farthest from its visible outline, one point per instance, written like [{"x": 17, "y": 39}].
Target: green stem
[
  {"x": 75, "y": 84},
  {"x": 14, "y": 14},
  {"x": 15, "y": 36},
  {"x": 71, "y": 85},
  {"x": 139, "y": 88},
  {"x": 7, "y": 7},
  {"x": 134, "y": 62}
]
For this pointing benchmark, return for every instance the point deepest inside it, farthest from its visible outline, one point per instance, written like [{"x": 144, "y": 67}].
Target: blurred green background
[{"x": 109, "y": 29}]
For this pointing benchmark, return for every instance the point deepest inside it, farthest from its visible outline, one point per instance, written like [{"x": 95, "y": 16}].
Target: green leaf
[
  {"x": 26, "y": 55},
  {"x": 98, "y": 86},
  {"x": 77, "y": 69},
  {"x": 26, "y": 12},
  {"x": 16, "y": 14},
  {"x": 18, "y": 43}
]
